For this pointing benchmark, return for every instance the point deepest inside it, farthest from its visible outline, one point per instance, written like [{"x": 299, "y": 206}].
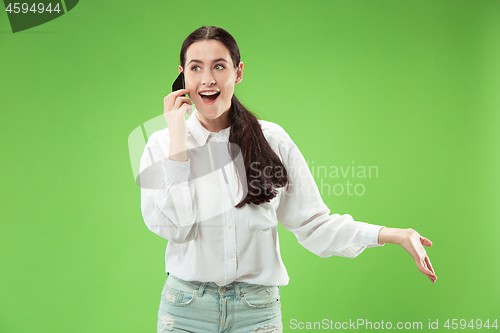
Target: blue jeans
[{"x": 199, "y": 307}]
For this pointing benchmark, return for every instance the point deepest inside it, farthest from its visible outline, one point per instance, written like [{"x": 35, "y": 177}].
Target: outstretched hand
[{"x": 414, "y": 244}]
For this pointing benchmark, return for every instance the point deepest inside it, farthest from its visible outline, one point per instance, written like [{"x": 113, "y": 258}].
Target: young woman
[{"x": 226, "y": 180}]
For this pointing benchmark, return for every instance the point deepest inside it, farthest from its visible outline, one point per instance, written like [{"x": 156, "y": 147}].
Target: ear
[
  {"x": 180, "y": 69},
  {"x": 239, "y": 73}
]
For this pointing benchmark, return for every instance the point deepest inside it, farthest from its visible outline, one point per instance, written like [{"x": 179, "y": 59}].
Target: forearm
[{"x": 177, "y": 150}]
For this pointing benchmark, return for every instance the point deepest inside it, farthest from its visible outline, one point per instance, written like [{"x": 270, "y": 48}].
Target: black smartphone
[{"x": 179, "y": 82}]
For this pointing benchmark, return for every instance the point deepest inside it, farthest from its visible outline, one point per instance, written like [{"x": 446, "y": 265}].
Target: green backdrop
[{"x": 410, "y": 88}]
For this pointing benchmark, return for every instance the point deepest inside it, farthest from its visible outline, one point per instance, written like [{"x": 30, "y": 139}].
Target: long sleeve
[
  {"x": 167, "y": 196},
  {"x": 303, "y": 212}
]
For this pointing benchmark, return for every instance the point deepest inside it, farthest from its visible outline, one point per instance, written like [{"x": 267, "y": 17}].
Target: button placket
[{"x": 228, "y": 216}]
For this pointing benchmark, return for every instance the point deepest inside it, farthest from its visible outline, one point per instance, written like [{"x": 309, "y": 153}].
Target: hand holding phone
[
  {"x": 178, "y": 95},
  {"x": 175, "y": 105}
]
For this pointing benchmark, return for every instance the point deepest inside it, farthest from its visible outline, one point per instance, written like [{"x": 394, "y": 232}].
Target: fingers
[
  {"x": 425, "y": 241},
  {"x": 429, "y": 265},
  {"x": 425, "y": 267},
  {"x": 170, "y": 100},
  {"x": 180, "y": 101},
  {"x": 186, "y": 108},
  {"x": 432, "y": 276},
  {"x": 179, "y": 92}
]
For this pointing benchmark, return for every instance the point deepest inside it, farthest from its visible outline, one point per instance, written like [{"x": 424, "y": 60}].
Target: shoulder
[
  {"x": 273, "y": 131},
  {"x": 279, "y": 140},
  {"x": 158, "y": 144}
]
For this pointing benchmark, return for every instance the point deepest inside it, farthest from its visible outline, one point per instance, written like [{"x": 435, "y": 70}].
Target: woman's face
[{"x": 210, "y": 76}]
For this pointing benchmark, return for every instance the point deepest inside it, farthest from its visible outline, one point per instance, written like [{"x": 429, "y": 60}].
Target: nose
[{"x": 207, "y": 79}]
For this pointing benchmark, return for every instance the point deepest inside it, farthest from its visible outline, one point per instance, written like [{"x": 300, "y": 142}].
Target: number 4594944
[
  {"x": 14, "y": 8},
  {"x": 477, "y": 324}
]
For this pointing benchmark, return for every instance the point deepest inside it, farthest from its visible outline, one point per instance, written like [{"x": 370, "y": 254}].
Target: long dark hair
[{"x": 245, "y": 132}]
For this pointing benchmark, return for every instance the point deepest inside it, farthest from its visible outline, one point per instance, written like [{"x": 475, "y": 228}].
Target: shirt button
[
  {"x": 229, "y": 226},
  {"x": 231, "y": 256}
]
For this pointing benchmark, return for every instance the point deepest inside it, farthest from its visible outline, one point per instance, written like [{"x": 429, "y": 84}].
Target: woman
[{"x": 227, "y": 178}]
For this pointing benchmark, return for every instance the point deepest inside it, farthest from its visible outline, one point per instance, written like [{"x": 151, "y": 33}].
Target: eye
[
  {"x": 219, "y": 67},
  {"x": 195, "y": 68}
]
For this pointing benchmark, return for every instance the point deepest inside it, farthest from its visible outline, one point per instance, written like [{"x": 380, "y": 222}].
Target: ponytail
[{"x": 258, "y": 157}]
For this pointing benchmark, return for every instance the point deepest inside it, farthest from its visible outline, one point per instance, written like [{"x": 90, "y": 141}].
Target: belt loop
[
  {"x": 201, "y": 290},
  {"x": 237, "y": 290}
]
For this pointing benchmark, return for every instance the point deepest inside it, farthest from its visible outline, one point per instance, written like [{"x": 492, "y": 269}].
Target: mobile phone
[{"x": 179, "y": 82}]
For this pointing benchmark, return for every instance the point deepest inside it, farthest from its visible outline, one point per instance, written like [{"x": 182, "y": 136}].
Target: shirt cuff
[
  {"x": 178, "y": 171},
  {"x": 369, "y": 236}
]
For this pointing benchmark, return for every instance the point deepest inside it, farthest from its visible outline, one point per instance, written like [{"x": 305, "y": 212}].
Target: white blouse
[{"x": 191, "y": 204}]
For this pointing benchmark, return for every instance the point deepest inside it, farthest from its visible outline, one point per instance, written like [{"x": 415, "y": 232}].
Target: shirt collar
[{"x": 200, "y": 133}]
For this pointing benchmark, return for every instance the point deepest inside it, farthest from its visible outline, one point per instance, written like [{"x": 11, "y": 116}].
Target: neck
[{"x": 217, "y": 124}]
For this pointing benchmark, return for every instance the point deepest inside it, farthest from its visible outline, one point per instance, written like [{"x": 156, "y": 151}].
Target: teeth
[{"x": 208, "y": 93}]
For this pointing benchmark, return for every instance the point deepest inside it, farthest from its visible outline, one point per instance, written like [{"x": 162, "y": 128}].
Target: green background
[{"x": 411, "y": 87}]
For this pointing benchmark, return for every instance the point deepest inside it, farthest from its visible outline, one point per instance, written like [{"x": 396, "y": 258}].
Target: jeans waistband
[{"x": 234, "y": 288}]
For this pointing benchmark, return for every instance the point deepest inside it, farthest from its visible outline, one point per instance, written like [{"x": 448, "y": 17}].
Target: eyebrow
[{"x": 201, "y": 62}]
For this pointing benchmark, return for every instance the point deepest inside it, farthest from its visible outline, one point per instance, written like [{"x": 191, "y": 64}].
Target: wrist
[{"x": 391, "y": 235}]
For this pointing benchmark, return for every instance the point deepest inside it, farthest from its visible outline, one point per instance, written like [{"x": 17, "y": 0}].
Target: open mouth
[{"x": 209, "y": 96}]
